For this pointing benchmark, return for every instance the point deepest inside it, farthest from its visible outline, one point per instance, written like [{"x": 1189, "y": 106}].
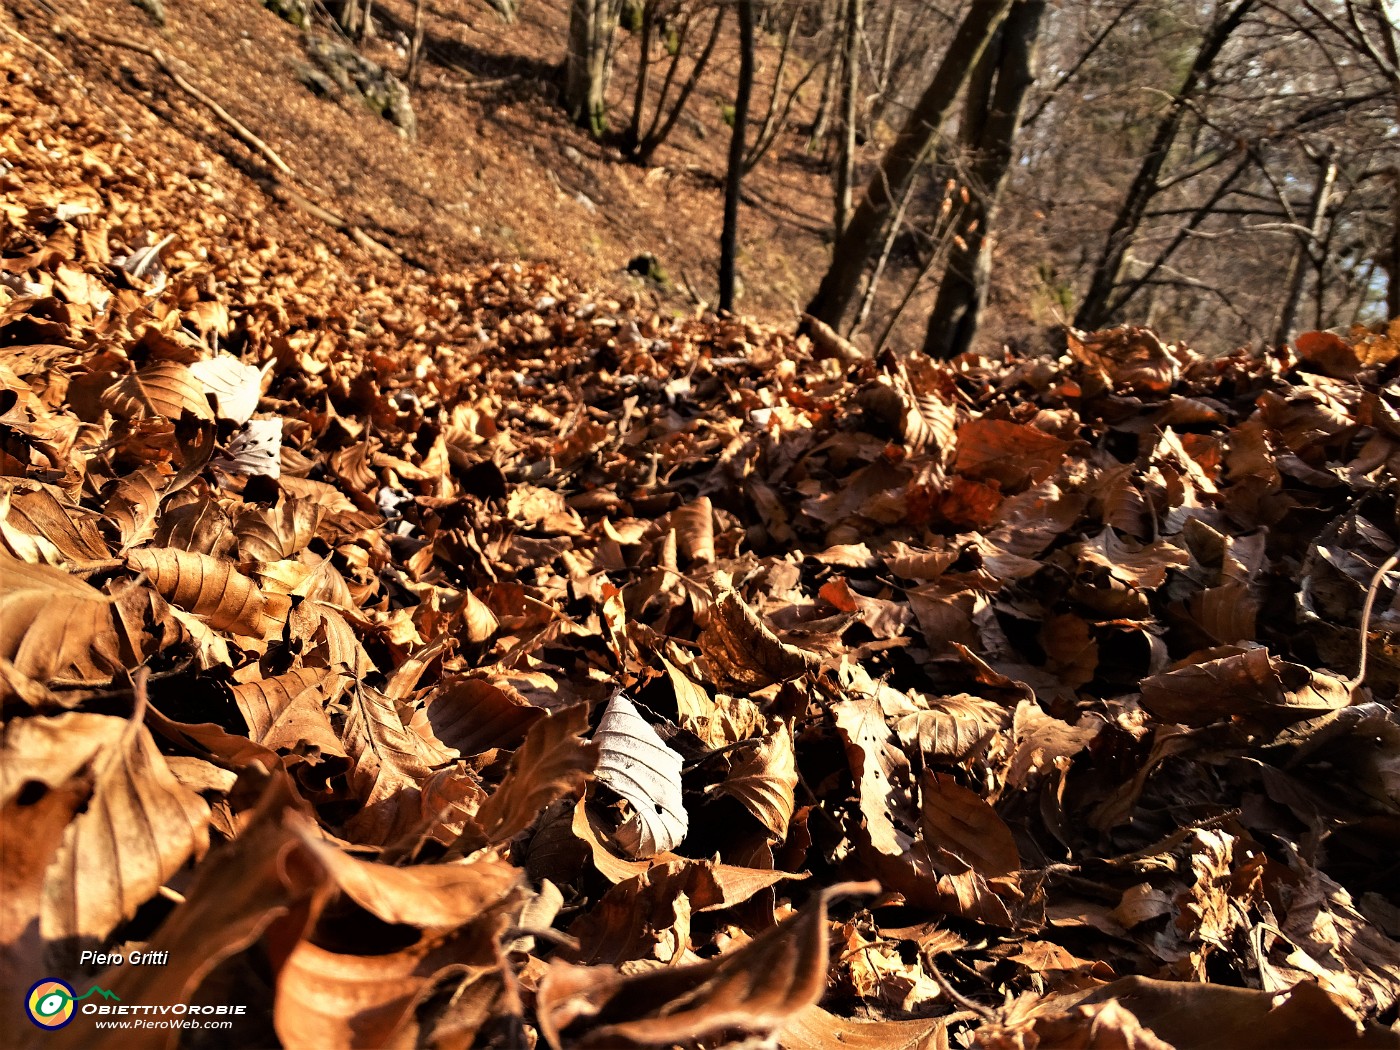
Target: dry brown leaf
[
  {"x": 1227, "y": 682},
  {"x": 1014, "y": 455},
  {"x": 815, "y": 1029},
  {"x": 55, "y": 628},
  {"x": 554, "y": 760},
  {"x": 37, "y": 528},
  {"x": 138, "y": 828},
  {"x": 957, "y": 823},
  {"x": 165, "y": 389},
  {"x": 742, "y": 653},
  {"x": 212, "y": 589},
  {"x": 764, "y": 779},
  {"x": 756, "y": 989}
]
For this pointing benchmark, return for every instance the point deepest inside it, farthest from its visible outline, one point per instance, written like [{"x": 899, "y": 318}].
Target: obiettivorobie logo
[{"x": 50, "y": 1003}]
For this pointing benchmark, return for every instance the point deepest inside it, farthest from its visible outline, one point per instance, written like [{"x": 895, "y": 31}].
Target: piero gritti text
[{"x": 151, "y": 958}]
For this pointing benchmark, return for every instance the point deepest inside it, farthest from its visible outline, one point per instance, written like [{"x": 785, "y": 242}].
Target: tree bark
[
  {"x": 1306, "y": 249},
  {"x": 995, "y": 103},
  {"x": 734, "y": 177},
  {"x": 861, "y": 236},
  {"x": 1390, "y": 66},
  {"x": 1093, "y": 311},
  {"x": 588, "y": 64},
  {"x": 850, "y": 91},
  {"x": 831, "y": 15},
  {"x": 634, "y": 129},
  {"x": 415, "y": 51}
]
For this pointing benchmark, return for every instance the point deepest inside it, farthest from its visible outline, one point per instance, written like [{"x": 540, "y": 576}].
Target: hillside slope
[{"x": 495, "y": 173}]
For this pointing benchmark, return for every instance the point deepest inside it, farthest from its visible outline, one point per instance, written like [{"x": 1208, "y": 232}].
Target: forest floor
[{"x": 1015, "y": 702}]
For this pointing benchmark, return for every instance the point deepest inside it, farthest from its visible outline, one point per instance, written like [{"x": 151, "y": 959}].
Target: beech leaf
[{"x": 637, "y": 764}]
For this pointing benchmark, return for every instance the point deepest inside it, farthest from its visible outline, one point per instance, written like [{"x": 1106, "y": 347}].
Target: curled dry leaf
[
  {"x": 55, "y": 628},
  {"x": 813, "y": 1028},
  {"x": 637, "y": 764},
  {"x": 1230, "y": 682},
  {"x": 553, "y": 760},
  {"x": 764, "y": 779},
  {"x": 743, "y": 652},
  {"x": 1131, "y": 359},
  {"x": 255, "y": 449},
  {"x": 38, "y": 528},
  {"x": 648, "y": 915},
  {"x": 213, "y": 590},
  {"x": 695, "y": 531},
  {"x": 757, "y": 988},
  {"x": 138, "y": 825},
  {"x": 287, "y": 713},
  {"x": 882, "y": 774}
]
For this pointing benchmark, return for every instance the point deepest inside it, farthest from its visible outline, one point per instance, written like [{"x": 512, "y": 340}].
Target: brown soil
[{"x": 497, "y": 172}]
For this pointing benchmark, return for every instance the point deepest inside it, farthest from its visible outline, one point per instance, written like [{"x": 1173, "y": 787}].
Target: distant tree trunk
[
  {"x": 820, "y": 123},
  {"x": 1390, "y": 64},
  {"x": 1093, "y": 311},
  {"x": 734, "y": 178},
  {"x": 861, "y": 236},
  {"x": 1306, "y": 250},
  {"x": 415, "y": 51},
  {"x": 850, "y": 92},
  {"x": 354, "y": 18},
  {"x": 588, "y": 64},
  {"x": 775, "y": 116},
  {"x": 994, "y": 107},
  {"x": 634, "y": 129},
  {"x": 659, "y": 129}
]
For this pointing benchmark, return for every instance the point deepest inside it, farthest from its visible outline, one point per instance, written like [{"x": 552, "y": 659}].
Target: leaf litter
[{"x": 1013, "y": 702}]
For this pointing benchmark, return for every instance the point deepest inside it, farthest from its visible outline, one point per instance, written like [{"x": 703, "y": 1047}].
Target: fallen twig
[{"x": 160, "y": 59}]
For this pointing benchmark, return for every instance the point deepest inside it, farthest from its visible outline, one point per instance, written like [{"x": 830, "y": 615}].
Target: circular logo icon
[{"x": 50, "y": 1003}]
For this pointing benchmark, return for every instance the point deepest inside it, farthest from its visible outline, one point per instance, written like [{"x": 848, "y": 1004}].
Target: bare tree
[
  {"x": 993, "y": 114},
  {"x": 1093, "y": 310},
  {"x": 853, "y": 250},
  {"x": 734, "y": 176},
  {"x": 641, "y": 144},
  {"x": 850, "y": 92}
]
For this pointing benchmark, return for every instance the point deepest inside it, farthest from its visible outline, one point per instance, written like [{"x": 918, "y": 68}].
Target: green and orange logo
[{"x": 50, "y": 1003}]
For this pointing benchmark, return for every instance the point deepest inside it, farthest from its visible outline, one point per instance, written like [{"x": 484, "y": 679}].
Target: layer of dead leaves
[{"x": 1010, "y": 703}]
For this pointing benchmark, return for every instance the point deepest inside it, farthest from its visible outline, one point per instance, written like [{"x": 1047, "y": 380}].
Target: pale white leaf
[
  {"x": 236, "y": 386},
  {"x": 636, "y": 763},
  {"x": 255, "y": 449}
]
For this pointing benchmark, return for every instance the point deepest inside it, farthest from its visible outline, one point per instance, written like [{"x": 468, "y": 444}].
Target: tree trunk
[
  {"x": 1306, "y": 250},
  {"x": 861, "y": 236},
  {"x": 1093, "y": 312},
  {"x": 734, "y": 177},
  {"x": 659, "y": 131},
  {"x": 588, "y": 65},
  {"x": 415, "y": 51},
  {"x": 633, "y": 137},
  {"x": 822, "y": 120},
  {"x": 995, "y": 103},
  {"x": 850, "y": 91}
]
